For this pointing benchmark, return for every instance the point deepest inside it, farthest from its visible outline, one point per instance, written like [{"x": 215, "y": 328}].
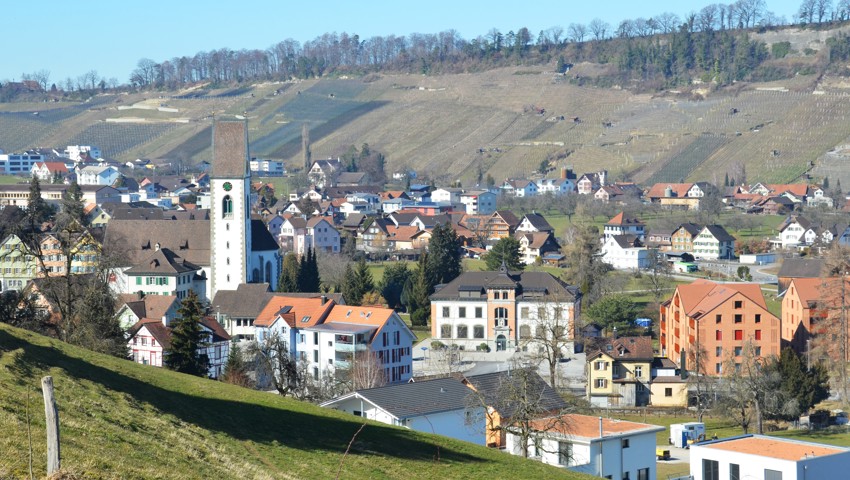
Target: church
[{"x": 165, "y": 257}]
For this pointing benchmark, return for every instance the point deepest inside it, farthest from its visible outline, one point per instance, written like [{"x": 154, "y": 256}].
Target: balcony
[
  {"x": 342, "y": 364},
  {"x": 350, "y": 347}
]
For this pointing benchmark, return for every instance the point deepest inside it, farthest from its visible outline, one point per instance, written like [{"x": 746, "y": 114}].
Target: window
[
  {"x": 479, "y": 312},
  {"x": 504, "y": 295},
  {"x": 638, "y": 371},
  {"x": 625, "y": 443},
  {"x": 710, "y": 469},
  {"x": 734, "y": 471},
  {"x": 316, "y": 356},
  {"x": 600, "y": 365},
  {"x": 718, "y": 318},
  {"x": 565, "y": 452},
  {"x": 772, "y": 474},
  {"x": 737, "y": 351},
  {"x": 718, "y": 335},
  {"x": 227, "y": 207},
  {"x": 446, "y": 312},
  {"x": 739, "y": 304},
  {"x": 601, "y": 383},
  {"x": 462, "y": 331},
  {"x": 559, "y": 311},
  {"x": 758, "y": 351},
  {"x": 739, "y": 318},
  {"x": 718, "y": 352},
  {"x": 718, "y": 368},
  {"x": 643, "y": 474},
  {"x": 758, "y": 335},
  {"x": 445, "y": 331},
  {"x": 739, "y": 334},
  {"x": 315, "y": 338},
  {"x": 668, "y": 392},
  {"x": 461, "y": 312},
  {"x": 478, "y": 331},
  {"x": 524, "y": 331}
]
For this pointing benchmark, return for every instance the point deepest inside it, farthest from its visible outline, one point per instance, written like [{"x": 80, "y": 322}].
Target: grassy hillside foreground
[{"x": 123, "y": 420}]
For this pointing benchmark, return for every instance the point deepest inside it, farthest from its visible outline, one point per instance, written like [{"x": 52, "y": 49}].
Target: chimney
[
  {"x": 324, "y": 299},
  {"x": 563, "y": 173},
  {"x": 156, "y": 246},
  {"x": 603, "y": 178}
]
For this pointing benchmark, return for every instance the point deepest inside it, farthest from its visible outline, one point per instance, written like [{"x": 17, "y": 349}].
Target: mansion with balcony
[{"x": 502, "y": 309}]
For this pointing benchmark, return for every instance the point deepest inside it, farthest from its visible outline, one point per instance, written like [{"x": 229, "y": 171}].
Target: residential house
[
  {"x": 292, "y": 228},
  {"x": 267, "y": 168},
  {"x": 478, "y": 202},
  {"x": 491, "y": 389},
  {"x": 620, "y": 224},
  {"x": 54, "y": 250},
  {"x": 97, "y": 175},
  {"x": 682, "y": 239},
  {"x": 625, "y": 252},
  {"x": 446, "y": 195},
  {"x": 323, "y": 172},
  {"x": 719, "y": 318},
  {"x": 352, "y": 179},
  {"x": 133, "y": 307},
  {"x": 535, "y": 245},
  {"x": 166, "y": 273},
  {"x": 48, "y": 172},
  {"x": 795, "y": 231},
  {"x": 659, "y": 240},
  {"x": 667, "y": 388},
  {"x": 501, "y": 308},
  {"x": 534, "y": 222},
  {"x": 18, "y": 265},
  {"x": 612, "y": 193},
  {"x": 518, "y": 188},
  {"x": 287, "y": 315},
  {"x": 682, "y": 195},
  {"x": 798, "y": 268},
  {"x": 274, "y": 224},
  {"x": 597, "y": 446},
  {"x": 238, "y": 309},
  {"x": 150, "y": 339},
  {"x": 713, "y": 242},
  {"x": 618, "y": 371},
  {"x": 332, "y": 345},
  {"x": 555, "y": 186},
  {"x": 441, "y": 406},
  {"x": 319, "y": 234},
  {"x": 589, "y": 183},
  {"x": 770, "y": 458},
  {"x": 806, "y": 305},
  {"x": 19, "y": 163},
  {"x": 501, "y": 224}
]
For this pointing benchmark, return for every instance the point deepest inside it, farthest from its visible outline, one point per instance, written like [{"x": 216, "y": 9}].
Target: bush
[
  {"x": 483, "y": 347},
  {"x": 437, "y": 345}
]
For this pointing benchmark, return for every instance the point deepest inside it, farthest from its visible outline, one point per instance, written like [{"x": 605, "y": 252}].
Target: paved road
[{"x": 731, "y": 269}]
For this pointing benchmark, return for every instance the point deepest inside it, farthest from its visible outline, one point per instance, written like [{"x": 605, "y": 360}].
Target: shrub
[{"x": 437, "y": 345}]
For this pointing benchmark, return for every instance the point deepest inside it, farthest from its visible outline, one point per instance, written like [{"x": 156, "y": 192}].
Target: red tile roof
[
  {"x": 299, "y": 309},
  {"x": 772, "y": 447}
]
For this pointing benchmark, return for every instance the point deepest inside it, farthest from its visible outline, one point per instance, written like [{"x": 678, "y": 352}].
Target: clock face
[{"x": 227, "y": 186}]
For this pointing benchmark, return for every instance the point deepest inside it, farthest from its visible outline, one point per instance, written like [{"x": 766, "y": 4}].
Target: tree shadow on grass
[{"x": 264, "y": 424}]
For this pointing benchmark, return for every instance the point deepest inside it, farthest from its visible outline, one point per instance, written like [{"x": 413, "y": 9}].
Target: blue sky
[{"x": 69, "y": 38}]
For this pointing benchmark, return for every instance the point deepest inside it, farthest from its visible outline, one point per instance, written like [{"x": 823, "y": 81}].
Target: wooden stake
[{"x": 51, "y": 414}]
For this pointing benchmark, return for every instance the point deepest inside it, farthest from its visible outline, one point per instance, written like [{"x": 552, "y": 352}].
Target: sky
[{"x": 69, "y": 38}]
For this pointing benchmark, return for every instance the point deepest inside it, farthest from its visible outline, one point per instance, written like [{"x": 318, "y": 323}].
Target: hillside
[
  {"x": 460, "y": 126},
  {"x": 123, "y": 420}
]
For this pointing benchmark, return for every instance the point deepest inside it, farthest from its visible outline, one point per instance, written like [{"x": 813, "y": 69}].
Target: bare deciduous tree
[{"x": 599, "y": 29}]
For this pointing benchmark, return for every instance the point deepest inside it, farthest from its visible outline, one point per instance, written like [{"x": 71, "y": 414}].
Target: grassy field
[{"x": 124, "y": 420}]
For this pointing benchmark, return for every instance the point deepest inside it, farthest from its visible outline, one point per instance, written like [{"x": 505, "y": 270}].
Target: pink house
[{"x": 150, "y": 339}]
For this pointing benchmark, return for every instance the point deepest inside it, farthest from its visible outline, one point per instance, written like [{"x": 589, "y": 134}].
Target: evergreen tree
[
  {"x": 288, "y": 281},
  {"x": 308, "y": 272},
  {"x": 726, "y": 180},
  {"x": 825, "y": 183},
  {"x": 505, "y": 250},
  {"x": 392, "y": 284},
  {"x": 808, "y": 386},
  {"x": 444, "y": 262},
  {"x": 419, "y": 304},
  {"x": 187, "y": 339},
  {"x": 72, "y": 205},
  {"x": 235, "y": 370},
  {"x": 38, "y": 210},
  {"x": 357, "y": 282}
]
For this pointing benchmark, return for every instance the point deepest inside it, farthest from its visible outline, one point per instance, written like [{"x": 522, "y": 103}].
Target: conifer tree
[
  {"x": 288, "y": 281},
  {"x": 38, "y": 209},
  {"x": 444, "y": 263},
  {"x": 187, "y": 339},
  {"x": 357, "y": 282},
  {"x": 308, "y": 272}
]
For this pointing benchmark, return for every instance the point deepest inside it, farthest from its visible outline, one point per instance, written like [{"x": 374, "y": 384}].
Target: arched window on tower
[
  {"x": 227, "y": 207},
  {"x": 268, "y": 272}
]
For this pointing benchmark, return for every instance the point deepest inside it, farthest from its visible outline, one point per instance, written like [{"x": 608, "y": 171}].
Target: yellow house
[
  {"x": 667, "y": 388},
  {"x": 618, "y": 371}
]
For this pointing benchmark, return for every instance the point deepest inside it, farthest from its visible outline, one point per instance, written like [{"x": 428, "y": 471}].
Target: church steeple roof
[{"x": 230, "y": 150}]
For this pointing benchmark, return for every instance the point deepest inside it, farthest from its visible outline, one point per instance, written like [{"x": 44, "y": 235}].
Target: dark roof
[
  {"x": 261, "y": 239},
  {"x": 627, "y": 241},
  {"x": 663, "y": 362},
  {"x": 403, "y": 218},
  {"x": 353, "y": 220},
  {"x": 218, "y": 332},
  {"x": 539, "y": 222},
  {"x": 528, "y": 284},
  {"x": 491, "y": 386},
  {"x": 720, "y": 233},
  {"x": 419, "y": 398},
  {"x": 135, "y": 240},
  {"x": 163, "y": 262},
  {"x": 230, "y": 150},
  {"x": 160, "y": 332},
  {"x": 691, "y": 228},
  {"x": 247, "y": 301},
  {"x": 801, "y": 268},
  {"x": 154, "y": 213},
  {"x": 626, "y": 348}
]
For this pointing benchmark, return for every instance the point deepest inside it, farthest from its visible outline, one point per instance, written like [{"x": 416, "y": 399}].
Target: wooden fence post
[{"x": 51, "y": 414}]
